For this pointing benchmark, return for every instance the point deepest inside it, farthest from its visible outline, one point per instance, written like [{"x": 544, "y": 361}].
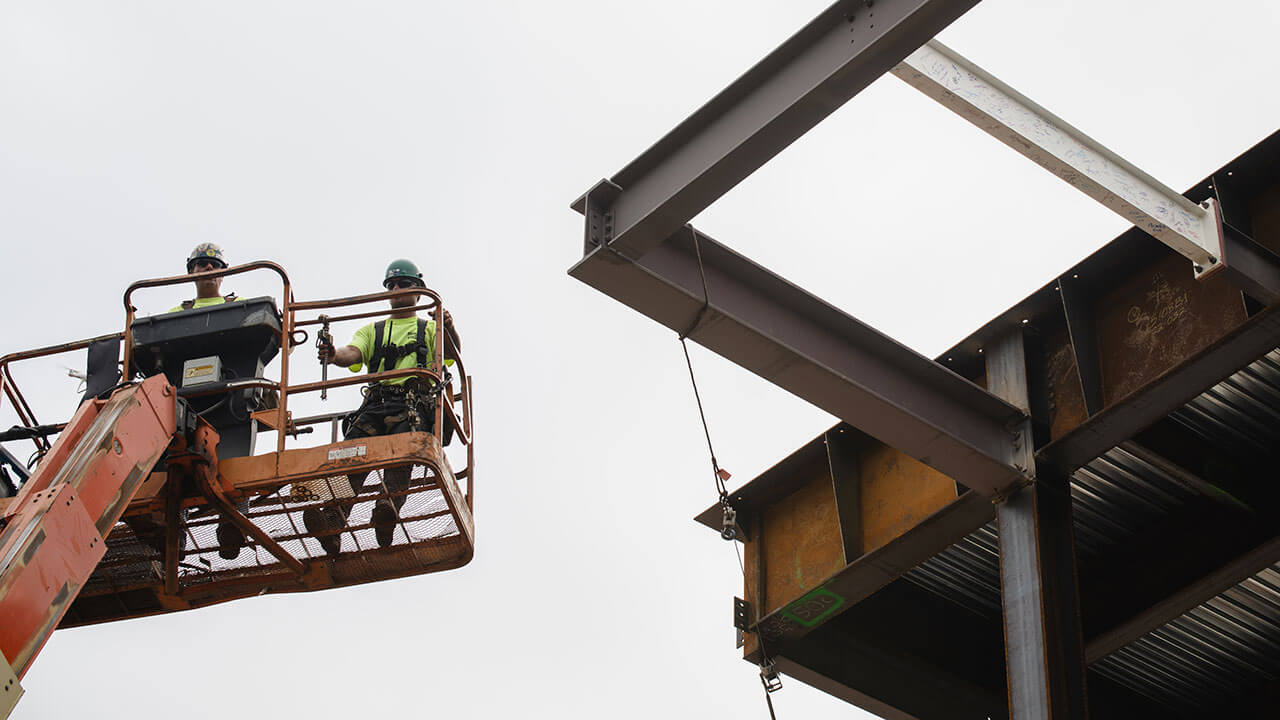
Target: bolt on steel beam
[{"x": 1193, "y": 231}]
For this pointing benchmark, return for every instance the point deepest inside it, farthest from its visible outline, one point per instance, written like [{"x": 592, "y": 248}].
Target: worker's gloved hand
[
  {"x": 448, "y": 319},
  {"x": 325, "y": 353}
]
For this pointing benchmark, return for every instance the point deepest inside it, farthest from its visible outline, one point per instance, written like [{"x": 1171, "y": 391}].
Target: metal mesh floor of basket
[{"x": 428, "y": 536}]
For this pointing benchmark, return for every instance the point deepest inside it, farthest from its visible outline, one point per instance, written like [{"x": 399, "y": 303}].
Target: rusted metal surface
[
  {"x": 437, "y": 531},
  {"x": 1065, "y": 402},
  {"x": 1157, "y": 319},
  {"x": 804, "y": 546},
  {"x": 54, "y": 530},
  {"x": 898, "y": 493},
  {"x": 796, "y": 617}
]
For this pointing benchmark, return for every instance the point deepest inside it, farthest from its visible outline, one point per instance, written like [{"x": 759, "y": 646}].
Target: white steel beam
[{"x": 1189, "y": 229}]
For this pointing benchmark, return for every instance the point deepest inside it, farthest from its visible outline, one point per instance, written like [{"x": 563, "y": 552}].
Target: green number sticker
[{"x": 814, "y": 607}]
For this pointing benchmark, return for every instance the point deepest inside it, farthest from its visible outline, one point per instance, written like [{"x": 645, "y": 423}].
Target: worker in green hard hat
[
  {"x": 393, "y": 405},
  {"x": 203, "y": 258}
]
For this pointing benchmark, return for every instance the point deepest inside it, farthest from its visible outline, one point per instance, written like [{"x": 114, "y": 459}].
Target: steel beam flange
[{"x": 1194, "y": 231}]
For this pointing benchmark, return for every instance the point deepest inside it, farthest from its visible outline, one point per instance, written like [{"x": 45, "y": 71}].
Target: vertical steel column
[{"x": 1044, "y": 651}]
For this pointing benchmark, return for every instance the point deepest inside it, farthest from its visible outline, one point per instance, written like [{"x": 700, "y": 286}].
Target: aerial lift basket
[{"x": 167, "y": 552}]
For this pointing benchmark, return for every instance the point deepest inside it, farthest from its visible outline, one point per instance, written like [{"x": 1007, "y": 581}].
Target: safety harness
[
  {"x": 390, "y": 354},
  {"x": 190, "y": 304},
  {"x": 389, "y": 401}
]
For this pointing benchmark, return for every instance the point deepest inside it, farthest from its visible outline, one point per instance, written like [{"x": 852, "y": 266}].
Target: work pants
[{"x": 387, "y": 412}]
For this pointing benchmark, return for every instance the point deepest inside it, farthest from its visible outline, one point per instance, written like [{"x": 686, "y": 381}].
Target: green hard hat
[
  {"x": 402, "y": 268},
  {"x": 206, "y": 251}
]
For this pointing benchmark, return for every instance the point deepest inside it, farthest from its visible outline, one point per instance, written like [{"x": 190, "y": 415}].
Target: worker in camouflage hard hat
[
  {"x": 395, "y": 405},
  {"x": 208, "y": 252},
  {"x": 205, "y": 257}
]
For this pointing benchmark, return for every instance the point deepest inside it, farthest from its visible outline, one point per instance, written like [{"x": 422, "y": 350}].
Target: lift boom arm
[{"x": 51, "y": 534}]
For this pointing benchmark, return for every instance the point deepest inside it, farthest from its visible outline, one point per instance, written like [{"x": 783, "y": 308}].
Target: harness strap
[
  {"x": 389, "y": 354},
  {"x": 379, "y": 350},
  {"x": 422, "y": 343}
]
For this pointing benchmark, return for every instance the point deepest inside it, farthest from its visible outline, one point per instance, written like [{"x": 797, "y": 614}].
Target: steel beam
[
  {"x": 1010, "y": 117},
  {"x": 791, "y": 90},
  {"x": 798, "y": 342},
  {"x": 874, "y": 570},
  {"x": 1250, "y": 266},
  {"x": 1184, "y": 600},
  {"x": 1043, "y": 647},
  {"x": 1172, "y": 389}
]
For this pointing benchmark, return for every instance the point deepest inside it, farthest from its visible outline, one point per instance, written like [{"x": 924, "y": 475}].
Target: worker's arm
[
  {"x": 453, "y": 335},
  {"x": 345, "y": 355}
]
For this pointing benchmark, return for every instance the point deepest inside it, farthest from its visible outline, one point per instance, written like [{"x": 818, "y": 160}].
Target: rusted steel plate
[
  {"x": 801, "y": 540},
  {"x": 898, "y": 492},
  {"x": 1066, "y": 399},
  {"x": 874, "y": 570},
  {"x": 1158, "y": 319}
]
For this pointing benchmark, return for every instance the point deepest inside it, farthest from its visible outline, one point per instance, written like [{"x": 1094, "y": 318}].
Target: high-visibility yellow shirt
[
  {"x": 200, "y": 303},
  {"x": 399, "y": 331}
]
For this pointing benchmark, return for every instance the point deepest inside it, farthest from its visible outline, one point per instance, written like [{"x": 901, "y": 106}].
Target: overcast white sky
[{"x": 332, "y": 137}]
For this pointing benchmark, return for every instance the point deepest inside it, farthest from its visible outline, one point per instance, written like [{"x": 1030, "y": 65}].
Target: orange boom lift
[{"x": 127, "y": 513}]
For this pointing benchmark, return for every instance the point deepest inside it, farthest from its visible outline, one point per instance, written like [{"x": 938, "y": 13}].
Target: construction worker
[
  {"x": 391, "y": 406},
  {"x": 205, "y": 257}
]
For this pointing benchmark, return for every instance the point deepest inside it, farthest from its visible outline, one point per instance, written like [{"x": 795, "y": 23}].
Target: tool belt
[{"x": 393, "y": 408}]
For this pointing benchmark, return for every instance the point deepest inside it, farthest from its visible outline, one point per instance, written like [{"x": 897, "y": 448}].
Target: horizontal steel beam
[
  {"x": 866, "y": 575},
  {"x": 1120, "y": 421},
  {"x": 800, "y": 343},
  {"x": 795, "y": 87},
  {"x": 1010, "y": 117},
  {"x": 1183, "y": 601},
  {"x": 1251, "y": 267}
]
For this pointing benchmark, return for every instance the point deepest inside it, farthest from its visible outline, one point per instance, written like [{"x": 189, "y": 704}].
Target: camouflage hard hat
[
  {"x": 402, "y": 269},
  {"x": 206, "y": 251}
]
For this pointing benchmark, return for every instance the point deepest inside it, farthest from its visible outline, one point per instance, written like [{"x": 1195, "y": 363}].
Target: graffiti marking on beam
[{"x": 1168, "y": 306}]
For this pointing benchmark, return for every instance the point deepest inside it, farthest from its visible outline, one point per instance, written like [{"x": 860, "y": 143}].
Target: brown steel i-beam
[
  {"x": 802, "y": 344},
  {"x": 1044, "y": 651},
  {"x": 831, "y": 59}
]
